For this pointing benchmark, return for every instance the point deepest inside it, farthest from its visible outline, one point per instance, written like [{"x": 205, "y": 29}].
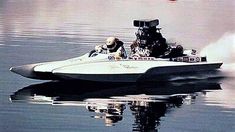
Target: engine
[
  {"x": 149, "y": 37},
  {"x": 150, "y": 41}
]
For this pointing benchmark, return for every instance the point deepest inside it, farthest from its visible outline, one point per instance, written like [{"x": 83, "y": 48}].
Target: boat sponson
[{"x": 28, "y": 71}]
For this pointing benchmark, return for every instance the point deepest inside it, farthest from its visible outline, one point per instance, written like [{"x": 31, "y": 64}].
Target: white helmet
[{"x": 111, "y": 43}]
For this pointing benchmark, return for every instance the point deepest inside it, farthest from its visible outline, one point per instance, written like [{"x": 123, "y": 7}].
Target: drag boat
[
  {"x": 100, "y": 67},
  {"x": 103, "y": 67}
]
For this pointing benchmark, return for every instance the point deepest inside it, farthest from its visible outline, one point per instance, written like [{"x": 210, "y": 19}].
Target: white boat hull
[{"x": 102, "y": 68}]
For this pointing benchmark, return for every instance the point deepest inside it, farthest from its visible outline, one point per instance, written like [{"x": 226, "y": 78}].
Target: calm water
[{"x": 47, "y": 30}]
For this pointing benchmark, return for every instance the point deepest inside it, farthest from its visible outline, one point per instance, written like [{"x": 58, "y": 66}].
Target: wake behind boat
[{"x": 145, "y": 63}]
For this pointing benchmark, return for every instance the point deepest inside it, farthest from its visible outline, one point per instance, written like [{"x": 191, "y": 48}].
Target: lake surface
[{"x": 48, "y": 30}]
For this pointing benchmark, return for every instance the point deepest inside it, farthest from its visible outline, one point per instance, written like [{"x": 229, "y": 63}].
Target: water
[{"x": 48, "y": 30}]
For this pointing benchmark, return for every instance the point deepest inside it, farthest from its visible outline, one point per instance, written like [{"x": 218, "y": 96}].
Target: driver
[{"x": 112, "y": 46}]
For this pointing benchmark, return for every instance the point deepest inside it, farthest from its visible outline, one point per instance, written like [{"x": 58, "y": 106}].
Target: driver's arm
[{"x": 100, "y": 48}]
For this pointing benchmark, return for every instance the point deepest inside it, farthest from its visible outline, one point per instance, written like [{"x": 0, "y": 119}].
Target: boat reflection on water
[{"x": 148, "y": 102}]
